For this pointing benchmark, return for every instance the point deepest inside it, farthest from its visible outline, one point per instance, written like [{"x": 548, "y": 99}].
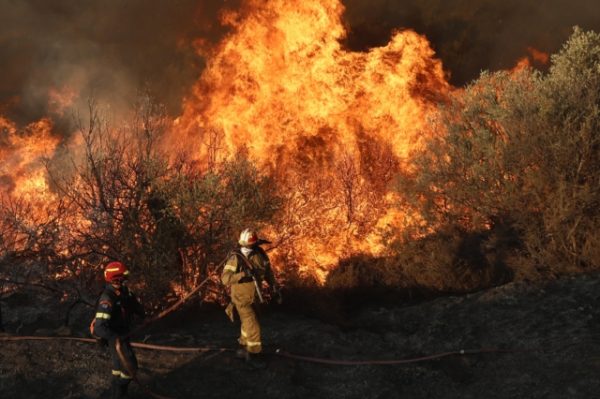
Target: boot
[
  {"x": 242, "y": 354},
  {"x": 119, "y": 390},
  {"x": 124, "y": 389},
  {"x": 256, "y": 361},
  {"x": 115, "y": 390},
  {"x": 107, "y": 393}
]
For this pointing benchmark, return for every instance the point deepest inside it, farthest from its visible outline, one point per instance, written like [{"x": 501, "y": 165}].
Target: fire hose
[
  {"x": 132, "y": 371},
  {"x": 118, "y": 348},
  {"x": 177, "y": 304},
  {"x": 338, "y": 362},
  {"x": 285, "y": 354},
  {"x": 141, "y": 345},
  {"x": 281, "y": 353}
]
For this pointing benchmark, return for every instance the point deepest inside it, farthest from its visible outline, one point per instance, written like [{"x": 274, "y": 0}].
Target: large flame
[
  {"x": 22, "y": 171},
  {"x": 333, "y": 125}
]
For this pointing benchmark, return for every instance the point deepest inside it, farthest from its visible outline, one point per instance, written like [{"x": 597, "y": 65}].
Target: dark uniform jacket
[{"x": 115, "y": 311}]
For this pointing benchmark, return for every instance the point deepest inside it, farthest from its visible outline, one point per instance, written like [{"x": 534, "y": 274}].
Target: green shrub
[{"x": 520, "y": 149}]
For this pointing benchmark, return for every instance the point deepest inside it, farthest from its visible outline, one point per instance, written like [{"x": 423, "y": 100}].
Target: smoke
[
  {"x": 111, "y": 49},
  {"x": 69, "y": 49},
  {"x": 472, "y": 35}
]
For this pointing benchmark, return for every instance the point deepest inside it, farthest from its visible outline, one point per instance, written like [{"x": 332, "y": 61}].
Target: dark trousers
[{"x": 121, "y": 375}]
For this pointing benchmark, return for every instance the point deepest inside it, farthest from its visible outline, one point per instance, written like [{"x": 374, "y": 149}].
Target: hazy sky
[
  {"x": 473, "y": 35},
  {"x": 115, "y": 47}
]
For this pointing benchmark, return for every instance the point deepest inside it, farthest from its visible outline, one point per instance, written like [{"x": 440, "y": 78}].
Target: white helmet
[{"x": 248, "y": 238}]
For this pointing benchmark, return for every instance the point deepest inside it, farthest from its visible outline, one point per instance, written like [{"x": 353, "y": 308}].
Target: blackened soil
[{"x": 554, "y": 328}]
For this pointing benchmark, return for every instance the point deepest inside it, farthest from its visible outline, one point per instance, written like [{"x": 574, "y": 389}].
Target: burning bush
[
  {"x": 122, "y": 198},
  {"x": 506, "y": 168}
]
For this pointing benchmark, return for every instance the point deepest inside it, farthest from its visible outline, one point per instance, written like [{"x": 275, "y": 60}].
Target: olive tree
[{"x": 520, "y": 149}]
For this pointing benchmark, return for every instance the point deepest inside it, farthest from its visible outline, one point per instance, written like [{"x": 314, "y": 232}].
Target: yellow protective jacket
[{"x": 233, "y": 272}]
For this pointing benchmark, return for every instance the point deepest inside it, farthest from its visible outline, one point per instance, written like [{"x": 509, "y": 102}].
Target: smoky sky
[
  {"x": 472, "y": 35},
  {"x": 109, "y": 49},
  {"x": 113, "y": 48}
]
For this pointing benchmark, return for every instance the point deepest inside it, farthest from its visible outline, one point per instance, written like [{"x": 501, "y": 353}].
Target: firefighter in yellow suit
[{"x": 244, "y": 272}]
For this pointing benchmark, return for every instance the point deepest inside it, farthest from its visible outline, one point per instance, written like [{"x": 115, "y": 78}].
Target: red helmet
[{"x": 115, "y": 271}]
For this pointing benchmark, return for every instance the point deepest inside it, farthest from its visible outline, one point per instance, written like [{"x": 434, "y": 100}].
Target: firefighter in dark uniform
[{"x": 114, "y": 315}]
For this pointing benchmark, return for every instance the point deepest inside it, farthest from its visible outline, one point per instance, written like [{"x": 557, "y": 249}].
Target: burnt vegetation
[{"x": 508, "y": 190}]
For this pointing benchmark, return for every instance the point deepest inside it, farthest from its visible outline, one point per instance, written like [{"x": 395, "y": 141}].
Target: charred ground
[{"x": 552, "y": 324}]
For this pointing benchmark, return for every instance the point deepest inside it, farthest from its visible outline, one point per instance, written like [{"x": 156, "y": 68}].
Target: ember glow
[{"x": 332, "y": 125}]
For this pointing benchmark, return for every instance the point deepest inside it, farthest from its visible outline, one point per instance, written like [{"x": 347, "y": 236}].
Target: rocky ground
[{"x": 554, "y": 326}]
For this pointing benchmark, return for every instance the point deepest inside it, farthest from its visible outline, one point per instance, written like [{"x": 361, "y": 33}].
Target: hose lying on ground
[
  {"x": 132, "y": 371},
  {"x": 285, "y": 354},
  {"x": 336, "y": 362},
  {"x": 141, "y": 345},
  {"x": 129, "y": 368},
  {"x": 180, "y": 302},
  {"x": 339, "y": 362},
  {"x": 310, "y": 359}
]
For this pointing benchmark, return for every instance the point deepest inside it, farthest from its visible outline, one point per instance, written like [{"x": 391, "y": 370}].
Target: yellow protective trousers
[{"x": 242, "y": 297}]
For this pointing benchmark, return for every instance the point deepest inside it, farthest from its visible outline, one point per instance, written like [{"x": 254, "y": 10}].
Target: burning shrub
[
  {"x": 121, "y": 197},
  {"x": 521, "y": 149}
]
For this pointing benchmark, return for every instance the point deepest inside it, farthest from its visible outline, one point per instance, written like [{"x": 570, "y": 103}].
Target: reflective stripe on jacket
[{"x": 115, "y": 311}]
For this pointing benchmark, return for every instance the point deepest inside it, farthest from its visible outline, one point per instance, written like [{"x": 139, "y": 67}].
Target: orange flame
[
  {"x": 538, "y": 55},
  {"x": 331, "y": 124},
  {"x": 522, "y": 63},
  {"x": 22, "y": 173},
  {"x": 533, "y": 57}
]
